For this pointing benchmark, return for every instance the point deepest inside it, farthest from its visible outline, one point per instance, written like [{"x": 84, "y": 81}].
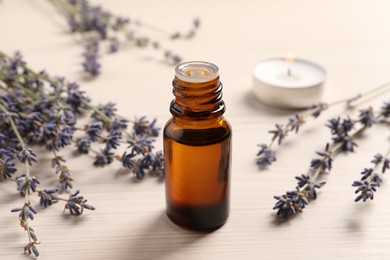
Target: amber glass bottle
[{"x": 197, "y": 147}]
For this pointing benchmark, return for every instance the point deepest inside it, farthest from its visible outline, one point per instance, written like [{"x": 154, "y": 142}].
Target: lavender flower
[
  {"x": 128, "y": 160},
  {"x": 26, "y": 154},
  {"x": 76, "y": 204},
  {"x": 279, "y": 133},
  {"x": 340, "y": 130},
  {"x": 94, "y": 131},
  {"x": 31, "y": 248},
  {"x": 26, "y": 212},
  {"x": 42, "y": 110},
  {"x": 26, "y": 184},
  {"x": 265, "y": 156},
  {"x": 91, "y": 55},
  {"x": 325, "y": 163},
  {"x": 154, "y": 161},
  {"x": 46, "y": 197},
  {"x": 366, "y": 190},
  {"x": 371, "y": 180},
  {"x": 7, "y": 167},
  {"x": 113, "y": 139},
  {"x": 143, "y": 127},
  {"x": 140, "y": 144},
  {"x": 367, "y": 117},
  {"x": 83, "y": 146},
  {"x": 103, "y": 158},
  {"x": 290, "y": 203},
  {"x": 66, "y": 181},
  {"x": 296, "y": 122}
]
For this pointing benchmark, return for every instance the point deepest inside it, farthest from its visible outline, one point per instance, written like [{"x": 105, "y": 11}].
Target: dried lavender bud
[
  {"x": 7, "y": 167},
  {"x": 386, "y": 165},
  {"x": 26, "y": 154},
  {"x": 347, "y": 143},
  {"x": 346, "y": 125},
  {"x": 140, "y": 144},
  {"x": 64, "y": 137},
  {"x": 113, "y": 139},
  {"x": 334, "y": 124},
  {"x": 27, "y": 212},
  {"x": 28, "y": 184},
  {"x": 265, "y": 156},
  {"x": 83, "y": 146},
  {"x": 76, "y": 204},
  {"x": 290, "y": 203},
  {"x": 154, "y": 161},
  {"x": 143, "y": 127},
  {"x": 91, "y": 55},
  {"x": 296, "y": 122},
  {"x": 46, "y": 197},
  {"x": 366, "y": 173},
  {"x": 120, "y": 124},
  {"x": 325, "y": 162},
  {"x": 278, "y": 133},
  {"x": 31, "y": 248},
  {"x": 367, "y": 117},
  {"x": 66, "y": 181},
  {"x": 376, "y": 178},
  {"x": 128, "y": 160},
  {"x": 370, "y": 179},
  {"x": 377, "y": 159},
  {"x": 303, "y": 180},
  {"x": 311, "y": 190},
  {"x": 366, "y": 190},
  {"x": 103, "y": 158},
  {"x": 94, "y": 131}
]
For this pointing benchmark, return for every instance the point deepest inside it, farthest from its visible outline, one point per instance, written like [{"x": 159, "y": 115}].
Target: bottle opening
[{"x": 196, "y": 71}]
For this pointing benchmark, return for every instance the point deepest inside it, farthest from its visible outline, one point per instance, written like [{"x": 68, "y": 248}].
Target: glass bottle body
[{"x": 197, "y": 148}]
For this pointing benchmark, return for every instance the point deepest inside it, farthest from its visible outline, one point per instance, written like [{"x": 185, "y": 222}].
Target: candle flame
[{"x": 290, "y": 57}]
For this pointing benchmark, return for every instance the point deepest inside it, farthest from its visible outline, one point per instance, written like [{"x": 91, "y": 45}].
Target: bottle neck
[{"x": 197, "y": 100}]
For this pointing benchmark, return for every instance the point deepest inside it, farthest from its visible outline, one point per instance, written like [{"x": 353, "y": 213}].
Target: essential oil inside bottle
[{"x": 197, "y": 147}]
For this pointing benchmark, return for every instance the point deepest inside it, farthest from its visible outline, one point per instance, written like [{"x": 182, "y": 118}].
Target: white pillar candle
[{"x": 288, "y": 83}]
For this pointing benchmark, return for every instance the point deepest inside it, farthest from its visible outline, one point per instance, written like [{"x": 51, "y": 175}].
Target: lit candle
[{"x": 288, "y": 83}]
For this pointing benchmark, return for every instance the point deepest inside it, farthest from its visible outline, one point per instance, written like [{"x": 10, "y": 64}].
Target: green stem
[
  {"x": 336, "y": 149},
  {"x": 26, "y": 193},
  {"x": 105, "y": 118},
  {"x": 325, "y": 106}
]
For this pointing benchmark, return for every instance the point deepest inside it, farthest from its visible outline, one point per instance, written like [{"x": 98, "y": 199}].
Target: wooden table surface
[{"x": 349, "y": 38}]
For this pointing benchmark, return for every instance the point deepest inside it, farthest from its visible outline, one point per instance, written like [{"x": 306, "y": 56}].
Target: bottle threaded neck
[
  {"x": 196, "y": 71},
  {"x": 197, "y": 90}
]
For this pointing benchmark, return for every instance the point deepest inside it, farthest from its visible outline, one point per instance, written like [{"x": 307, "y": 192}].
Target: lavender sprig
[
  {"x": 295, "y": 201},
  {"x": 371, "y": 177},
  {"x": 39, "y": 109},
  {"x": 98, "y": 26},
  {"x": 266, "y": 156},
  {"x": 26, "y": 184}
]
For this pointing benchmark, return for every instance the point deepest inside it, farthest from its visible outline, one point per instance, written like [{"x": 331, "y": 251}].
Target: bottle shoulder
[{"x": 197, "y": 132}]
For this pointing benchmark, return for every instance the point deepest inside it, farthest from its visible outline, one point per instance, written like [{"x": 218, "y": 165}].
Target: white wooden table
[{"x": 349, "y": 38}]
